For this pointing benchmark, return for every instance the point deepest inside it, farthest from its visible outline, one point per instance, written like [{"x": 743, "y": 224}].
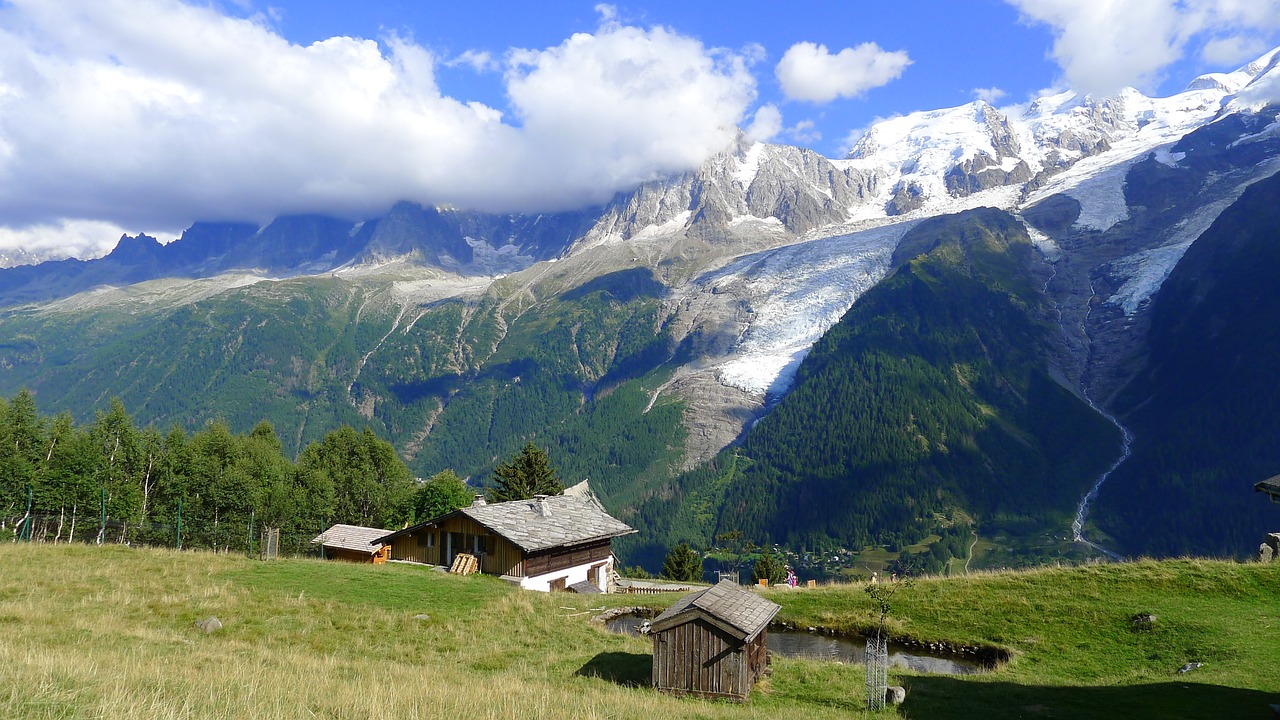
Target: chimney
[
  {"x": 540, "y": 505},
  {"x": 479, "y": 501}
]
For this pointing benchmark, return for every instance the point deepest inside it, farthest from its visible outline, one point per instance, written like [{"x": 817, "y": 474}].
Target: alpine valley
[{"x": 981, "y": 327}]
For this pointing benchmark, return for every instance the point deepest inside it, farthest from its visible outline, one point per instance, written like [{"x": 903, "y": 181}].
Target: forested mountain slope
[
  {"x": 930, "y": 400},
  {"x": 1204, "y": 411},
  {"x": 479, "y": 374}
]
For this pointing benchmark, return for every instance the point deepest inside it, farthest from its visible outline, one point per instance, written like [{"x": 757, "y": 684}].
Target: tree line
[{"x": 112, "y": 481}]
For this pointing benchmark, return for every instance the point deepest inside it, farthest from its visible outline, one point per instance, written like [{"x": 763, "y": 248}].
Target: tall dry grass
[{"x": 90, "y": 632}]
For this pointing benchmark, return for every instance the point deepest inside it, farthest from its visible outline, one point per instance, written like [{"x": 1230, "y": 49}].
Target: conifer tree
[
  {"x": 770, "y": 568},
  {"x": 527, "y": 474},
  {"x": 683, "y": 563}
]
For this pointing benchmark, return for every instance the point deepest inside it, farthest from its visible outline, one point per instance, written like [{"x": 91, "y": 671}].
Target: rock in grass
[
  {"x": 209, "y": 624},
  {"x": 1144, "y": 621},
  {"x": 895, "y": 695},
  {"x": 1189, "y": 667},
  {"x": 422, "y": 616}
]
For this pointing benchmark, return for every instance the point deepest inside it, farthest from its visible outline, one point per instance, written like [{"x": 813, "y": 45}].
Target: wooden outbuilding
[
  {"x": 353, "y": 543},
  {"x": 545, "y": 543},
  {"x": 712, "y": 643}
]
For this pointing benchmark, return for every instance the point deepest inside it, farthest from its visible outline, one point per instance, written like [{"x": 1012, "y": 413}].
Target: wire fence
[{"x": 236, "y": 536}]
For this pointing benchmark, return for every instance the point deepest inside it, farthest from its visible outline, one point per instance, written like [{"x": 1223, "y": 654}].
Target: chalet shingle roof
[
  {"x": 533, "y": 525},
  {"x": 551, "y": 522},
  {"x": 726, "y": 601},
  {"x": 351, "y": 537}
]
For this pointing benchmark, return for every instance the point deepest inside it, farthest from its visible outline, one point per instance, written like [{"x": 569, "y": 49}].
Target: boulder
[
  {"x": 1269, "y": 550},
  {"x": 895, "y": 695},
  {"x": 1144, "y": 621},
  {"x": 1190, "y": 666},
  {"x": 209, "y": 624}
]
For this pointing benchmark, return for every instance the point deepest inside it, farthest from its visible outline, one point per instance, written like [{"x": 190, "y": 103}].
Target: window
[{"x": 431, "y": 539}]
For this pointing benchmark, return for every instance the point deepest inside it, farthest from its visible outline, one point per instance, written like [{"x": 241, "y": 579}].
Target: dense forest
[
  {"x": 112, "y": 481},
  {"x": 1204, "y": 410}
]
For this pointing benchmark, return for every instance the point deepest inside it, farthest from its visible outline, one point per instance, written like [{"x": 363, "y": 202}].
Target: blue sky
[{"x": 147, "y": 115}]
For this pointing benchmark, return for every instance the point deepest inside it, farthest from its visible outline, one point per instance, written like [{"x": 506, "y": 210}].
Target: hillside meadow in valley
[{"x": 96, "y": 632}]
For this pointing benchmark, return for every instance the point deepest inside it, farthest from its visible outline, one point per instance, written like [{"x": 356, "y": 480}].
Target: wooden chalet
[
  {"x": 1270, "y": 486},
  {"x": 547, "y": 543},
  {"x": 353, "y": 543},
  {"x": 712, "y": 643}
]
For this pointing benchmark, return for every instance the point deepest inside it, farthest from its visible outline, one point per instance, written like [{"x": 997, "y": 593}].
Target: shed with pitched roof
[
  {"x": 712, "y": 643},
  {"x": 354, "y": 543},
  {"x": 544, "y": 543}
]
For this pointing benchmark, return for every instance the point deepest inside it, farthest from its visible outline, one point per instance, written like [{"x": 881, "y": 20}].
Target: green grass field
[{"x": 90, "y": 632}]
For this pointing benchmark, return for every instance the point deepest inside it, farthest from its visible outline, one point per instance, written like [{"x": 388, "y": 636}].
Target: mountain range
[{"x": 965, "y": 322}]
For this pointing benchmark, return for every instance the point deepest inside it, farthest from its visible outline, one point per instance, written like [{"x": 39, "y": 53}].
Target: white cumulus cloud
[
  {"x": 1107, "y": 45},
  {"x": 810, "y": 72},
  {"x": 156, "y": 113},
  {"x": 766, "y": 124},
  {"x": 989, "y": 95}
]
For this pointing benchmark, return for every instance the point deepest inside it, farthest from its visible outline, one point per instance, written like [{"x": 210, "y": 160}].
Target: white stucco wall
[{"x": 571, "y": 575}]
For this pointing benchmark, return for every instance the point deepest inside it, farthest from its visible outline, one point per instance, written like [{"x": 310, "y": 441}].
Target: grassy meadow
[{"x": 88, "y": 632}]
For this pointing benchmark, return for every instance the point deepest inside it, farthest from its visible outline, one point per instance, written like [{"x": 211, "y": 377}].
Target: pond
[{"x": 797, "y": 644}]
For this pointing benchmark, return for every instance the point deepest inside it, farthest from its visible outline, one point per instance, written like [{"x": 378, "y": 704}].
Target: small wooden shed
[
  {"x": 711, "y": 643},
  {"x": 353, "y": 543}
]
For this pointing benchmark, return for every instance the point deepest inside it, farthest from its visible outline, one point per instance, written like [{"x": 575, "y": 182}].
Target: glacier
[{"x": 795, "y": 294}]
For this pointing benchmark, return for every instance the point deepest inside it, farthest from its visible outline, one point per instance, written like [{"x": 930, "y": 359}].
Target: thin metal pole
[
  {"x": 102, "y": 527},
  {"x": 179, "y": 523},
  {"x": 25, "y": 532},
  {"x": 252, "y": 514}
]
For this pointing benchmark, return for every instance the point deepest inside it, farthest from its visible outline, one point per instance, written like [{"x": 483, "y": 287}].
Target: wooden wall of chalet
[
  {"x": 698, "y": 658},
  {"x": 333, "y": 553},
  {"x": 501, "y": 557},
  {"x": 548, "y": 561}
]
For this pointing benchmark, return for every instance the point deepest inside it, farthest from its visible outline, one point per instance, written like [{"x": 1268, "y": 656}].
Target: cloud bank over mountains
[{"x": 151, "y": 114}]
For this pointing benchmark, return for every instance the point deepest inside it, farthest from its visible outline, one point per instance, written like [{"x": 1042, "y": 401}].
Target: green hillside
[
  {"x": 452, "y": 384},
  {"x": 90, "y": 632},
  {"x": 929, "y": 401}
]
